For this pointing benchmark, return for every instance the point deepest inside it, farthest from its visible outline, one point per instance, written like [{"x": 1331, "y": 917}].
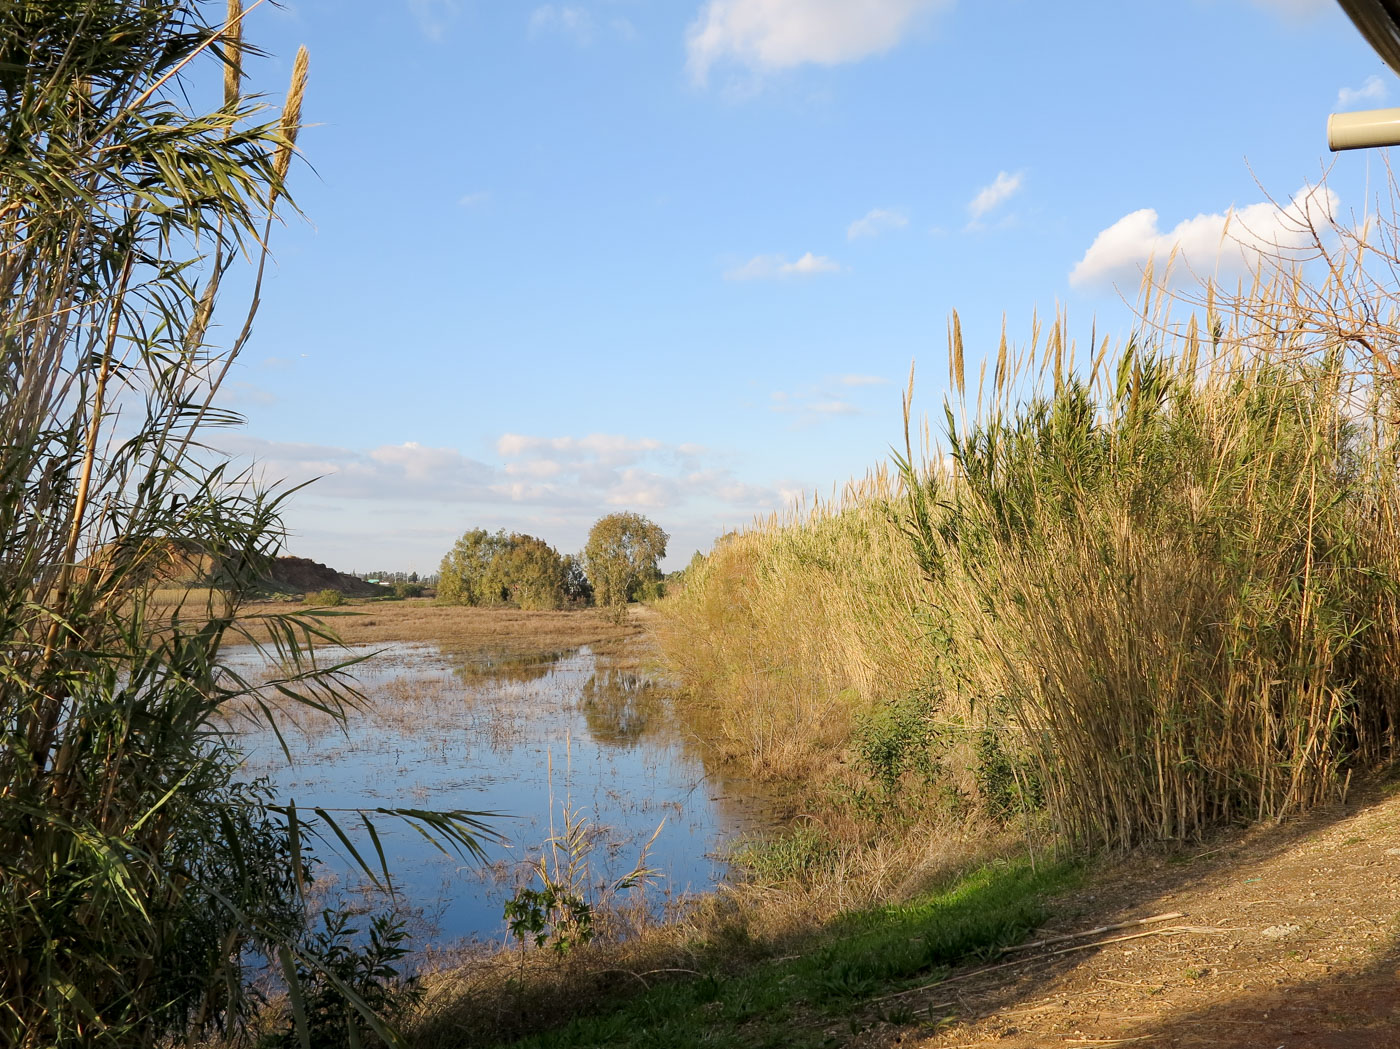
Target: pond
[{"x": 540, "y": 740}]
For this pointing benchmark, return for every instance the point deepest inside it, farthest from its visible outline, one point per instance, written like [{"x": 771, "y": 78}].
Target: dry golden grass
[
  {"x": 461, "y": 628},
  {"x": 502, "y": 631},
  {"x": 792, "y": 630}
]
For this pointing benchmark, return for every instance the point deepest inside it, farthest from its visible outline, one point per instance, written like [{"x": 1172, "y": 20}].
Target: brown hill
[
  {"x": 182, "y": 563},
  {"x": 302, "y": 575}
]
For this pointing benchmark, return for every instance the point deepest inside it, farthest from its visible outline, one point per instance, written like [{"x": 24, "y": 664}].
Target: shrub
[{"x": 334, "y": 959}]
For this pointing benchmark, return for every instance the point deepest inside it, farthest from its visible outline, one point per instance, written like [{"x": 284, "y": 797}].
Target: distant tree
[
  {"x": 462, "y": 578},
  {"x": 528, "y": 572},
  {"x": 413, "y": 577},
  {"x": 623, "y": 556},
  {"x": 485, "y": 568}
]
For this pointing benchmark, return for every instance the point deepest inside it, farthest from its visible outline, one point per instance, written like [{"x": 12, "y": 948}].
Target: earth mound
[{"x": 300, "y": 575}]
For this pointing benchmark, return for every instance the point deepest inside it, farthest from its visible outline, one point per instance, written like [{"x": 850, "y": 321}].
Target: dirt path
[{"x": 1295, "y": 945}]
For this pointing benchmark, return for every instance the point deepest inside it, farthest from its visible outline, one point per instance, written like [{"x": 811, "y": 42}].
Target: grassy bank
[{"x": 718, "y": 986}]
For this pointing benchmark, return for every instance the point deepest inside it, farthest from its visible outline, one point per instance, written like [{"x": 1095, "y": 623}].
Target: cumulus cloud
[
  {"x": 395, "y": 471},
  {"x": 409, "y": 501},
  {"x": 994, "y": 194},
  {"x": 768, "y": 267},
  {"x": 576, "y": 474},
  {"x": 875, "y": 222},
  {"x": 766, "y": 35},
  {"x": 611, "y": 449},
  {"x": 1229, "y": 242},
  {"x": 1373, "y": 90}
]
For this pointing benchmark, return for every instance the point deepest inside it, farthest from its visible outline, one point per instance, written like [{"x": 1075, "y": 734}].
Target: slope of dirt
[
  {"x": 302, "y": 575},
  {"x": 1288, "y": 938}
]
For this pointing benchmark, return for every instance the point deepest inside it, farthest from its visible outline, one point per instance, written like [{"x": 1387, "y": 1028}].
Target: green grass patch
[{"x": 794, "y": 1001}]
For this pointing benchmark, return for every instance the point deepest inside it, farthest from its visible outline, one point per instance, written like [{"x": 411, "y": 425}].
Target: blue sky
[{"x": 676, "y": 257}]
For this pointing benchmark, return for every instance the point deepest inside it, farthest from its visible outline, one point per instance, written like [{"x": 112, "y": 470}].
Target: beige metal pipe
[{"x": 1363, "y": 130}]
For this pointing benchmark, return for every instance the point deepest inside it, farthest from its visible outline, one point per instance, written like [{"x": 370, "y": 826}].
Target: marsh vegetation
[{"x": 1128, "y": 594}]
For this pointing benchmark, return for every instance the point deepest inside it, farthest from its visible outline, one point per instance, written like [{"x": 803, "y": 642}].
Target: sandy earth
[{"x": 1289, "y": 939}]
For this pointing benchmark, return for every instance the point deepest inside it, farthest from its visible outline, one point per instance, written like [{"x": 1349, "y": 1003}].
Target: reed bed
[
  {"x": 788, "y": 632},
  {"x": 1129, "y": 592}
]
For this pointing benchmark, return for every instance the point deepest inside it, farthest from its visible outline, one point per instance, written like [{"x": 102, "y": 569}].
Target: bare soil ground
[{"x": 1289, "y": 938}]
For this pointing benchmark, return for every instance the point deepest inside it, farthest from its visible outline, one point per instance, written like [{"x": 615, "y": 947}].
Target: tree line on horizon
[{"x": 619, "y": 563}]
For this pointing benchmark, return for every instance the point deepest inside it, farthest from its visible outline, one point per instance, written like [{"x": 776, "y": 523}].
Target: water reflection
[
  {"x": 484, "y": 665},
  {"x": 621, "y": 704},
  {"x": 521, "y": 736}
]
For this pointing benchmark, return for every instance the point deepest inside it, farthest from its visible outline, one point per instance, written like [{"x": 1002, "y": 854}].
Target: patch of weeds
[
  {"x": 797, "y": 855},
  {"x": 790, "y": 1002},
  {"x": 1008, "y": 786},
  {"x": 899, "y": 737},
  {"x": 900, "y": 1016},
  {"x": 332, "y": 962}
]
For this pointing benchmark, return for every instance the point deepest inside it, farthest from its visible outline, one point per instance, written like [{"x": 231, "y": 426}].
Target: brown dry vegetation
[{"x": 460, "y": 628}]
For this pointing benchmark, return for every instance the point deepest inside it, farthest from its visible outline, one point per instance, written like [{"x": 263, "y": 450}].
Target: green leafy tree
[
  {"x": 623, "y": 557},
  {"x": 462, "y": 577},
  {"x": 485, "y": 568},
  {"x": 528, "y": 572}
]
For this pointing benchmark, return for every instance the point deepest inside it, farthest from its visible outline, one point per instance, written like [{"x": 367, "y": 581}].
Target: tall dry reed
[
  {"x": 1147, "y": 589},
  {"x": 789, "y": 631}
]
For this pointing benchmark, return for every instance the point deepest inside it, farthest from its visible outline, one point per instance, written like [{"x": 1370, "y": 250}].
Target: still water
[{"x": 522, "y": 737}]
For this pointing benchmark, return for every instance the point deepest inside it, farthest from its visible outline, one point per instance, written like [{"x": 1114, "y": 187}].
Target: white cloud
[
  {"x": 766, "y": 35},
  {"x": 1373, "y": 90},
  {"x": 875, "y": 222},
  {"x": 612, "y": 449},
  {"x": 811, "y": 402},
  {"x": 563, "y": 18},
  {"x": 863, "y": 380},
  {"x": 1233, "y": 242},
  {"x": 833, "y": 407},
  {"x": 767, "y": 267},
  {"x": 596, "y": 470},
  {"x": 409, "y": 501},
  {"x": 810, "y": 263},
  {"x": 474, "y": 199},
  {"x": 397, "y": 471},
  {"x": 994, "y": 194}
]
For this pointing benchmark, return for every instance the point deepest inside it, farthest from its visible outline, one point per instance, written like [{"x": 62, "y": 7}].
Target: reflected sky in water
[{"x": 479, "y": 730}]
